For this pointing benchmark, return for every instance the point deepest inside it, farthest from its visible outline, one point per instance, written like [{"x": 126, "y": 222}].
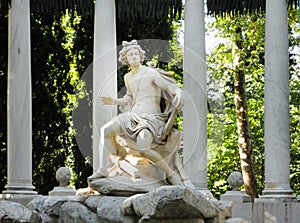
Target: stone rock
[
  {"x": 105, "y": 210},
  {"x": 48, "y": 219},
  {"x": 15, "y": 212},
  {"x": 225, "y": 208},
  {"x": 236, "y": 220},
  {"x": 37, "y": 204},
  {"x": 171, "y": 202},
  {"x": 92, "y": 202},
  {"x": 71, "y": 212},
  {"x": 188, "y": 220},
  {"x": 53, "y": 204},
  {"x": 127, "y": 205},
  {"x": 108, "y": 208}
]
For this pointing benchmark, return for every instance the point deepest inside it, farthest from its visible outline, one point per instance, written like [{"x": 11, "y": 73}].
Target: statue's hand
[
  {"x": 107, "y": 100},
  {"x": 179, "y": 100}
]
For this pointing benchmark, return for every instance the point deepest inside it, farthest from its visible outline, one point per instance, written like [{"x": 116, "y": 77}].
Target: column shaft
[
  {"x": 277, "y": 135},
  {"x": 104, "y": 69},
  {"x": 19, "y": 106},
  {"x": 195, "y": 110}
]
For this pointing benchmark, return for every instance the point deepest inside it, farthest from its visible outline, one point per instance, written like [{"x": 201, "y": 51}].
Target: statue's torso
[{"x": 146, "y": 95}]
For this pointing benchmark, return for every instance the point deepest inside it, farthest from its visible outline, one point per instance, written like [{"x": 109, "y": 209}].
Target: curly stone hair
[{"x": 128, "y": 46}]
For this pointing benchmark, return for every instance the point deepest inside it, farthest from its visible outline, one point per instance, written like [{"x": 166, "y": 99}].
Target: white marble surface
[
  {"x": 104, "y": 69},
  {"x": 195, "y": 110},
  {"x": 236, "y": 196},
  {"x": 62, "y": 191},
  {"x": 277, "y": 139},
  {"x": 19, "y": 101}
]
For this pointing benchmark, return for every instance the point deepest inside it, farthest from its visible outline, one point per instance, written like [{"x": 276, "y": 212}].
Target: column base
[
  {"x": 25, "y": 189},
  {"x": 23, "y": 199},
  {"x": 276, "y": 195}
]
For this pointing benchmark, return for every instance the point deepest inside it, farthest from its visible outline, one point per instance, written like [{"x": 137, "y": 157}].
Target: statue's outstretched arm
[
  {"x": 108, "y": 100},
  {"x": 124, "y": 101}
]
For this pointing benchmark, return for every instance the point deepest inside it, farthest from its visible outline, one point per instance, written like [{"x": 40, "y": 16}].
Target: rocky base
[
  {"x": 124, "y": 185},
  {"x": 165, "y": 204}
]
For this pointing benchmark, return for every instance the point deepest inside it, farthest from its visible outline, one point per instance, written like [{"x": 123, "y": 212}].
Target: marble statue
[{"x": 142, "y": 137}]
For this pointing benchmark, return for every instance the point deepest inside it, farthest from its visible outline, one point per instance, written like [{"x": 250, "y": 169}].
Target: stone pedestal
[
  {"x": 104, "y": 71},
  {"x": 62, "y": 191},
  {"x": 235, "y": 180},
  {"x": 236, "y": 196},
  {"x": 63, "y": 176},
  {"x": 129, "y": 173},
  {"x": 195, "y": 109},
  {"x": 277, "y": 135},
  {"x": 19, "y": 108}
]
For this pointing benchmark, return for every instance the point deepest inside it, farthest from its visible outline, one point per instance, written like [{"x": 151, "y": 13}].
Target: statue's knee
[{"x": 145, "y": 135}]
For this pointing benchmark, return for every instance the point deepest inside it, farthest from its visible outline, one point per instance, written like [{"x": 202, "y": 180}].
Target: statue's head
[{"x": 128, "y": 46}]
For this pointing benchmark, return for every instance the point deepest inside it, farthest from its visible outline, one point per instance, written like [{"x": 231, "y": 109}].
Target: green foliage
[
  {"x": 222, "y": 132},
  {"x": 55, "y": 79},
  {"x": 3, "y": 97},
  {"x": 294, "y": 99},
  {"x": 224, "y": 156}
]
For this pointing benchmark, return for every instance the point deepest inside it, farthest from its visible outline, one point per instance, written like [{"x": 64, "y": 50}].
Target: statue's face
[{"x": 133, "y": 57}]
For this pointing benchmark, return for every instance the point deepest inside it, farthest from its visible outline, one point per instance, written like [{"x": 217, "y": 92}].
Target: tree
[
  {"x": 241, "y": 107},
  {"x": 239, "y": 63},
  {"x": 222, "y": 128}
]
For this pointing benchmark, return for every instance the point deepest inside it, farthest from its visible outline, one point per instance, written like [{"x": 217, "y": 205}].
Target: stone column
[
  {"x": 195, "y": 110},
  {"x": 19, "y": 107},
  {"x": 277, "y": 135},
  {"x": 104, "y": 69}
]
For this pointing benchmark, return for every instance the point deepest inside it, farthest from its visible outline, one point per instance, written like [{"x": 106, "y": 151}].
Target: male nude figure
[{"x": 144, "y": 121}]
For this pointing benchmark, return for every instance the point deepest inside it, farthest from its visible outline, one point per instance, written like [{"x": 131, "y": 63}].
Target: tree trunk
[{"x": 244, "y": 135}]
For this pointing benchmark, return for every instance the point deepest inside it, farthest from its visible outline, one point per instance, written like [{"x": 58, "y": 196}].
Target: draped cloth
[{"x": 133, "y": 123}]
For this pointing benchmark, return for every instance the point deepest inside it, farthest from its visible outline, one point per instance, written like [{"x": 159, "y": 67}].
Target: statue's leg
[
  {"x": 107, "y": 146},
  {"x": 107, "y": 141},
  {"x": 144, "y": 141}
]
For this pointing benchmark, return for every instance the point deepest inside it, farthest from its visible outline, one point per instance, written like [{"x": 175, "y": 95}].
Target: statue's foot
[
  {"x": 175, "y": 179},
  {"x": 101, "y": 173},
  {"x": 188, "y": 183}
]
